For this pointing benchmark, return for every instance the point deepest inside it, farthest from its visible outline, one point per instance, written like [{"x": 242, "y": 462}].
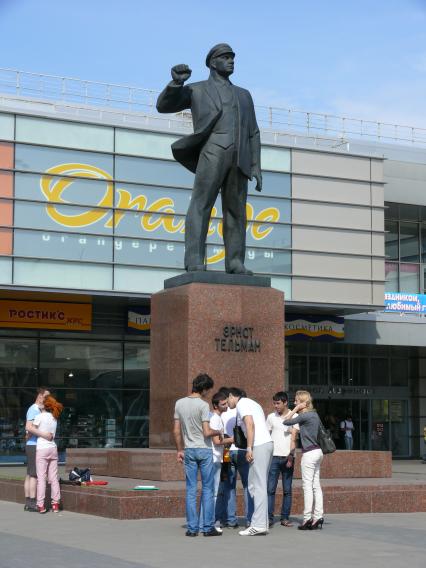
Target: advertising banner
[
  {"x": 314, "y": 328},
  {"x": 75, "y": 210},
  {"x": 45, "y": 315},
  {"x": 403, "y": 302},
  {"x": 139, "y": 320}
]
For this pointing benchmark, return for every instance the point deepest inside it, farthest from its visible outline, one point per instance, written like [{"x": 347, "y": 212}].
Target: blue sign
[{"x": 403, "y": 302}]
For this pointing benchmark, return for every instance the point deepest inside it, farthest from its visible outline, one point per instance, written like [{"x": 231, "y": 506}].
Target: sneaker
[
  {"x": 219, "y": 529},
  {"x": 227, "y": 526},
  {"x": 253, "y": 531},
  {"x": 41, "y": 509},
  {"x": 55, "y": 507},
  {"x": 189, "y": 533},
  {"x": 213, "y": 532}
]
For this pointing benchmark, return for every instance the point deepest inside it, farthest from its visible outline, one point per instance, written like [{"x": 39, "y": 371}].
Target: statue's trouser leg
[
  {"x": 212, "y": 167},
  {"x": 234, "y": 199}
]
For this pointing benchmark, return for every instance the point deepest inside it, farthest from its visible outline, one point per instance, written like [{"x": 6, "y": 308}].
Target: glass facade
[
  {"x": 405, "y": 248},
  {"x": 101, "y": 208},
  {"x": 104, "y": 386},
  {"x": 107, "y": 201},
  {"x": 370, "y": 383}
]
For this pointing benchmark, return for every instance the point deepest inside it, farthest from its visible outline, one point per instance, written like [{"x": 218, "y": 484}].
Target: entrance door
[{"x": 333, "y": 412}]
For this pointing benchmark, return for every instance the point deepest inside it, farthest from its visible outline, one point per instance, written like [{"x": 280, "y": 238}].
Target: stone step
[{"x": 340, "y": 496}]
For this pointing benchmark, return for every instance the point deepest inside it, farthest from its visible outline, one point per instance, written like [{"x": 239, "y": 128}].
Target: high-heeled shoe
[
  {"x": 317, "y": 524},
  {"x": 306, "y": 526}
]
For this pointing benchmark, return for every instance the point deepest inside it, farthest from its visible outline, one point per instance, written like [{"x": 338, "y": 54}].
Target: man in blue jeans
[
  {"x": 284, "y": 438},
  {"x": 238, "y": 465},
  {"x": 193, "y": 435}
]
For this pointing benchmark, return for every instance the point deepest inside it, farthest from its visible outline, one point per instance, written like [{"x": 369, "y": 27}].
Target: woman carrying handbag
[{"x": 309, "y": 423}]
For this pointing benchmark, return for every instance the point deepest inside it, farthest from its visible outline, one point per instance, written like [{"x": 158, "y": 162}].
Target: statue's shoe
[
  {"x": 239, "y": 268},
  {"x": 196, "y": 268}
]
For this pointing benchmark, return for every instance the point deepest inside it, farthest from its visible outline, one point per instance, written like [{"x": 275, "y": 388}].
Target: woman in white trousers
[{"x": 308, "y": 420}]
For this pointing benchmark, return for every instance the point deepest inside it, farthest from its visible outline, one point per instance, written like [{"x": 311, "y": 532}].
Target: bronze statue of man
[{"x": 223, "y": 152}]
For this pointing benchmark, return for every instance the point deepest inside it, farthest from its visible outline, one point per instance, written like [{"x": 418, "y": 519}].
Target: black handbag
[
  {"x": 77, "y": 474},
  {"x": 325, "y": 441},
  {"x": 240, "y": 439}
]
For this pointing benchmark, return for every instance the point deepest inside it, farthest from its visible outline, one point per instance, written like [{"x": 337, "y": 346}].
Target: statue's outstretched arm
[{"x": 176, "y": 97}]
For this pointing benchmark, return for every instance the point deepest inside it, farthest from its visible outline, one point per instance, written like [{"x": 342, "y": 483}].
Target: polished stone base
[
  {"x": 117, "y": 501},
  {"x": 161, "y": 465},
  {"x": 232, "y": 332}
]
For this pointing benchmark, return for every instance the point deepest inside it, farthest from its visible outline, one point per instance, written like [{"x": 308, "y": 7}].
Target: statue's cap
[{"x": 217, "y": 50}]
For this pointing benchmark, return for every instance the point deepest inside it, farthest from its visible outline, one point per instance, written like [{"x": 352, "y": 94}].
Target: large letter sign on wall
[
  {"x": 45, "y": 315},
  {"x": 159, "y": 215}
]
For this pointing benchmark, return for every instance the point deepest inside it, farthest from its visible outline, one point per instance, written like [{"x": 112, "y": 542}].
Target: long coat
[{"x": 204, "y": 101}]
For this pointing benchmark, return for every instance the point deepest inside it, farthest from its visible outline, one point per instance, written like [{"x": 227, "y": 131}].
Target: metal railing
[{"x": 70, "y": 93}]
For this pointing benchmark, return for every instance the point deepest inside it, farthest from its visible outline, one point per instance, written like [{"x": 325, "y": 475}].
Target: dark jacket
[{"x": 204, "y": 101}]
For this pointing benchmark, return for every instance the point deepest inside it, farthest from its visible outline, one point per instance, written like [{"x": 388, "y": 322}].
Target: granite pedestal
[{"x": 228, "y": 326}]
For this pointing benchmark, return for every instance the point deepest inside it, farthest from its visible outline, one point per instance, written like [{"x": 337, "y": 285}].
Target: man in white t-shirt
[
  {"x": 284, "y": 438},
  {"x": 238, "y": 466},
  {"x": 251, "y": 417},
  {"x": 347, "y": 426}
]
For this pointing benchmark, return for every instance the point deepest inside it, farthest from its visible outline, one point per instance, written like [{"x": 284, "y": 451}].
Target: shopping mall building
[{"x": 92, "y": 210}]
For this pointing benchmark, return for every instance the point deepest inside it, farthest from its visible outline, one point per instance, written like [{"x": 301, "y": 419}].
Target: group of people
[
  {"x": 206, "y": 444},
  {"x": 42, "y": 453}
]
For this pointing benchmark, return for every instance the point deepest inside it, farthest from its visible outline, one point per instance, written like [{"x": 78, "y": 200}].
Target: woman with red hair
[{"x": 47, "y": 454}]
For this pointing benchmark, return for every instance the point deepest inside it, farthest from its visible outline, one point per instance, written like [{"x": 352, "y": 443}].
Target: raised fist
[{"x": 181, "y": 73}]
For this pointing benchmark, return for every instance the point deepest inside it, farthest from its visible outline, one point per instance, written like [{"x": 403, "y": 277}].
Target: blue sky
[{"x": 358, "y": 58}]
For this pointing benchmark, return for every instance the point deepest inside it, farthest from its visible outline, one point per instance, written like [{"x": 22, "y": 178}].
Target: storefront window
[
  {"x": 409, "y": 278},
  {"x": 359, "y": 374},
  {"x": 409, "y": 242},
  {"x": 297, "y": 370},
  {"x": 391, "y": 240},
  {"x": 92, "y": 418},
  {"x": 391, "y": 276},
  {"x": 14, "y": 404},
  {"x": 379, "y": 372},
  {"x": 318, "y": 372},
  {"x": 136, "y": 419},
  {"x": 18, "y": 363},
  {"x": 399, "y": 372},
  {"x": 380, "y": 425},
  {"x": 136, "y": 365},
  {"x": 81, "y": 364},
  {"x": 338, "y": 370},
  {"x": 399, "y": 427}
]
